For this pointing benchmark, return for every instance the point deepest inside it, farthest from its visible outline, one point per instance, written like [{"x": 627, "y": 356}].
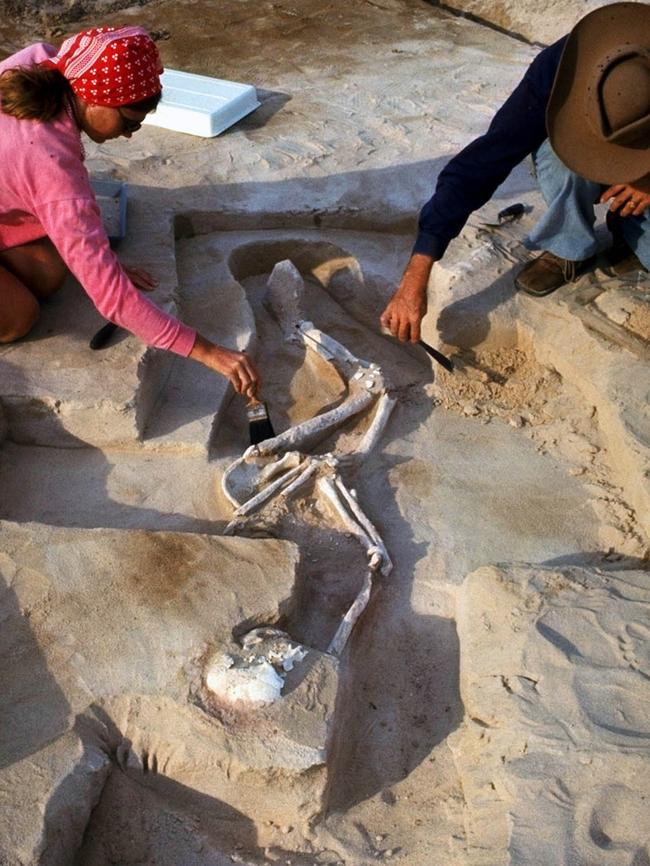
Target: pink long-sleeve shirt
[{"x": 45, "y": 190}]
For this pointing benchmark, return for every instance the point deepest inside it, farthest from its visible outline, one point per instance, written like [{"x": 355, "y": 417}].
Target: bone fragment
[
  {"x": 243, "y": 478},
  {"x": 341, "y": 276},
  {"x": 331, "y": 349},
  {"x": 289, "y": 461},
  {"x": 255, "y": 502},
  {"x": 284, "y": 297},
  {"x": 355, "y": 610}
]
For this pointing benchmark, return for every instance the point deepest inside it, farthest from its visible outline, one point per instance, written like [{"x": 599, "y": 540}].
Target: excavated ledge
[{"x": 113, "y": 627}]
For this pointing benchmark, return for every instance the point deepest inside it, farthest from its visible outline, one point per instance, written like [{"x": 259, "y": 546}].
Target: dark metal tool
[
  {"x": 508, "y": 215},
  {"x": 511, "y": 213},
  {"x": 103, "y": 335},
  {"x": 443, "y": 360}
]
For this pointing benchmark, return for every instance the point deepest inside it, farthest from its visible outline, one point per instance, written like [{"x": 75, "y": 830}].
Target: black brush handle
[
  {"x": 513, "y": 212},
  {"x": 443, "y": 360},
  {"x": 103, "y": 335}
]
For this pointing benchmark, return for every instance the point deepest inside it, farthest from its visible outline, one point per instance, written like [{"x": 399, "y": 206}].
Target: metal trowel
[{"x": 443, "y": 360}]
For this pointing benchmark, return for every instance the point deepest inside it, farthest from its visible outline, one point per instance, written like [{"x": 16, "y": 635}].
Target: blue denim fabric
[{"x": 567, "y": 228}]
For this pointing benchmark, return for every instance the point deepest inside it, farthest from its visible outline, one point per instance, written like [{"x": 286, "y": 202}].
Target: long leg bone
[
  {"x": 309, "y": 433},
  {"x": 378, "y": 558},
  {"x": 358, "y": 523},
  {"x": 301, "y": 480},
  {"x": 365, "y": 524},
  {"x": 328, "y": 489},
  {"x": 373, "y": 434},
  {"x": 349, "y": 620}
]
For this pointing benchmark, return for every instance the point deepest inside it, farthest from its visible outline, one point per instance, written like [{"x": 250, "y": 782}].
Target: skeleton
[{"x": 278, "y": 468}]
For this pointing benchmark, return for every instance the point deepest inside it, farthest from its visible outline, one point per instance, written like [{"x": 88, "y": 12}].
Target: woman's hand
[
  {"x": 235, "y": 366},
  {"x": 629, "y": 199},
  {"x": 140, "y": 278},
  {"x": 408, "y": 306}
]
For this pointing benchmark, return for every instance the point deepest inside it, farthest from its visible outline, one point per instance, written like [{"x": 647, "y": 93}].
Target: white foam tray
[{"x": 199, "y": 105}]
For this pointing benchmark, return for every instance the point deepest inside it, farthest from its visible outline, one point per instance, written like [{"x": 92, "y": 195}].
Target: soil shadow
[
  {"x": 400, "y": 698},
  {"x": 83, "y": 486},
  {"x": 33, "y": 710},
  {"x": 145, "y": 817}
]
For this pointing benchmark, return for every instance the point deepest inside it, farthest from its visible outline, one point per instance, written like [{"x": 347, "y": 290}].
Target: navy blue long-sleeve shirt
[{"x": 470, "y": 179}]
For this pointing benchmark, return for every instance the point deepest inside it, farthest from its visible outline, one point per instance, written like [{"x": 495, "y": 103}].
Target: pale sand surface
[{"x": 492, "y": 704}]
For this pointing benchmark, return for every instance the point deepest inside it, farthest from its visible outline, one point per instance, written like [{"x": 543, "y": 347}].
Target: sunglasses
[{"x": 128, "y": 124}]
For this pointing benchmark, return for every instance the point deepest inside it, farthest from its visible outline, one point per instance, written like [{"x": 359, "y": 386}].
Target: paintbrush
[{"x": 259, "y": 424}]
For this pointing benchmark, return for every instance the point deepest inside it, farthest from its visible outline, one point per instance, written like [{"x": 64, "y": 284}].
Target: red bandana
[{"x": 110, "y": 66}]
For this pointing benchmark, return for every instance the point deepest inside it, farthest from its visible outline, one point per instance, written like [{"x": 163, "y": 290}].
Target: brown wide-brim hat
[{"x": 598, "y": 115}]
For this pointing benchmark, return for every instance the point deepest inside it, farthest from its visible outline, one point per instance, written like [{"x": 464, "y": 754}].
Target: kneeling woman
[{"x": 102, "y": 82}]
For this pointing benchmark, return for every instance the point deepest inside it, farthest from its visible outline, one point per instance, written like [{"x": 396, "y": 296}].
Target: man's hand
[
  {"x": 235, "y": 366},
  {"x": 629, "y": 199},
  {"x": 406, "y": 309},
  {"x": 140, "y": 278}
]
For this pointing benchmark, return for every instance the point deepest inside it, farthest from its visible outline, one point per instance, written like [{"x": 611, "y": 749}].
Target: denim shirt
[{"x": 469, "y": 180}]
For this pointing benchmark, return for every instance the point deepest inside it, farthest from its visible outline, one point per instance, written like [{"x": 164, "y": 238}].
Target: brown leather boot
[{"x": 548, "y": 272}]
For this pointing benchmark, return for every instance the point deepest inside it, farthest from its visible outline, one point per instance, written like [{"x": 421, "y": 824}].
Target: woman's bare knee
[
  {"x": 14, "y": 327},
  {"x": 21, "y": 329},
  {"x": 37, "y": 265}
]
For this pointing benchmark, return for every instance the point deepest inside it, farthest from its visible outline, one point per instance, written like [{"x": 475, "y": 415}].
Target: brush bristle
[
  {"x": 259, "y": 425},
  {"x": 259, "y": 431}
]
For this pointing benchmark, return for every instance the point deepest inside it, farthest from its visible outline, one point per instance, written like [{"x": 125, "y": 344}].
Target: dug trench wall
[{"x": 541, "y": 23}]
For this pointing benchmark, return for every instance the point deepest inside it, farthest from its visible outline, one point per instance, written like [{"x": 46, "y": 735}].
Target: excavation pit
[{"x": 475, "y": 467}]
